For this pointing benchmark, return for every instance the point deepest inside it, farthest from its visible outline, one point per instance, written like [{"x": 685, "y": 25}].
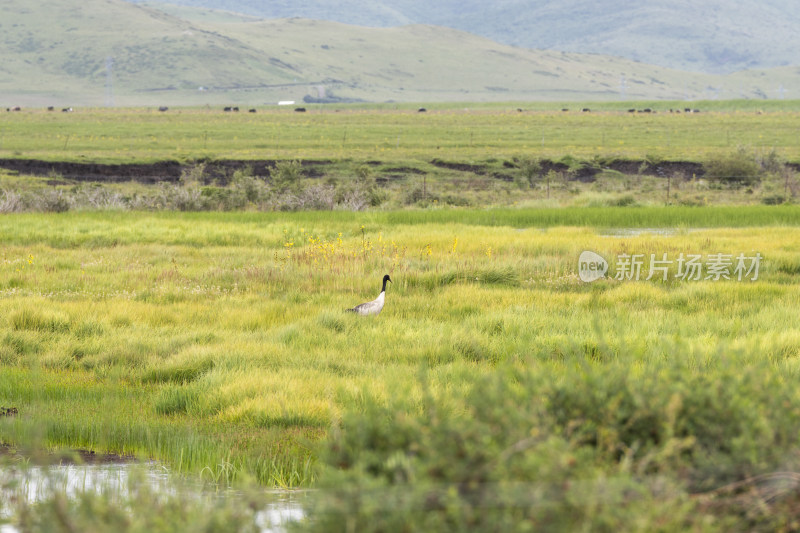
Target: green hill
[
  {"x": 56, "y": 50},
  {"x": 55, "y": 53},
  {"x": 719, "y": 36}
]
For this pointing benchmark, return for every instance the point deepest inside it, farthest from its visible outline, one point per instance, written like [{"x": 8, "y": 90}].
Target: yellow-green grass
[
  {"x": 218, "y": 343},
  {"x": 391, "y": 134}
]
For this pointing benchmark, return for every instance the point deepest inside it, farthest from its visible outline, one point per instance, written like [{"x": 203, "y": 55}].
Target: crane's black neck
[{"x": 385, "y": 279}]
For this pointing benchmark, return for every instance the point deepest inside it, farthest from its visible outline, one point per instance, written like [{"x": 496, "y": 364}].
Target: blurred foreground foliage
[{"x": 605, "y": 447}]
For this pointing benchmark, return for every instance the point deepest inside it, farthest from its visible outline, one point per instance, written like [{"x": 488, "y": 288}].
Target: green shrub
[
  {"x": 246, "y": 184},
  {"x": 602, "y": 448},
  {"x": 772, "y": 162},
  {"x": 530, "y": 170},
  {"x": 286, "y": 176},
  {"x": 734, "y": 169},
  {"x": 223, "y": 198},
  {"x": 193, "y": 174}
]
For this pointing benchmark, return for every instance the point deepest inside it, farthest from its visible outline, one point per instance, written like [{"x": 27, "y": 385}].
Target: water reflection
[
  {"x": 636, "y": 232},
  {"x": 37, "y": 484}
]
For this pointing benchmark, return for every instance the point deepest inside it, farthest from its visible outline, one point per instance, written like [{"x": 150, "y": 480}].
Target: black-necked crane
[{"x": 375, "y": 306}]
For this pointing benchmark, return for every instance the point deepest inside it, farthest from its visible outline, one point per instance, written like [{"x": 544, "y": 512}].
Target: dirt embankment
[
  {"x": 142, "y": 172},
  {"x": 150, "y": 173},
  {"x": 221, "y": 171}
]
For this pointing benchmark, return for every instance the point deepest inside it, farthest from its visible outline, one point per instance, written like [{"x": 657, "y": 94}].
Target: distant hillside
[
  {"x": 58, "y": 52},
  {"x": 718, "y": 36},
  {"x": 60, "y": 48}
]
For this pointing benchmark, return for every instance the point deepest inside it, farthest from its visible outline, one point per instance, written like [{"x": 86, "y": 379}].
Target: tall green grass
[{"x": 608, "y": 217}]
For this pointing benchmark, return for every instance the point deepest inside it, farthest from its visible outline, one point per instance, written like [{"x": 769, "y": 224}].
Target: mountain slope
[
  {"x": 61, "y": 46},
  {"x": 420, "y": 63},
  {"x": 55, "y": 53},
  {"x": 702, "y": 35}
]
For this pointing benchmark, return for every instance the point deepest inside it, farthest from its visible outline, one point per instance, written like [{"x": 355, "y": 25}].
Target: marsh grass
[{"x": 217, "y": 343}]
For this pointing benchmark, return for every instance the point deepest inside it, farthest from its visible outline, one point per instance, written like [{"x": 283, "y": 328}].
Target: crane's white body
[
  {"x": 375, "y": 306},
  {"x": 370, "y": 308}
]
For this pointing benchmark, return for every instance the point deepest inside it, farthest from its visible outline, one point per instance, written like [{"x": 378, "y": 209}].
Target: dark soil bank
[
  {"x": 162, "y": 171},
  {"x": 221, "y": 171}
]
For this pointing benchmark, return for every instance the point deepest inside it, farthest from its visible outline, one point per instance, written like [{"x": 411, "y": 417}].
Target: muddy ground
[
  {"x": 64, "y": 457},
  {"x": 220, "y": 171}
]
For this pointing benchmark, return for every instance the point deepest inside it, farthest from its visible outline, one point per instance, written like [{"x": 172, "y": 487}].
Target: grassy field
[
  {"x": 400, "y": 134},
  {"x": 393, "y": 157},
  {"x": 217, "y": 342}
]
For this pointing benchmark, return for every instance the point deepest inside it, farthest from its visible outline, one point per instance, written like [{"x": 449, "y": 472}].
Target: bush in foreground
[{"x": 600, "y": 448}]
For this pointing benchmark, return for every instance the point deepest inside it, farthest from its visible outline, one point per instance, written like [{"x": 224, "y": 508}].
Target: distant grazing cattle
[
  {"x": 519, "y": 110},
  {"x": 228, "y": 109},
  {"x": 647, "y": 110},
  {"x": 253, "y": 110},
  {"x": 51, "y": 108},
  {"x": 695, "y": 110},
  {"x": 67, "y": 110},
  {"x": 163, "y": 108},
  {"x": 15, "y": 108},
  {"x": 585, "y": 110},
  {"x": 631, "y": 111},
  {"x": 300, "y": 109},
  {"x": 236, "y": 109},
  {"x": 687, "y": 109},
  {"x": 565, "y": 109},
  {"x": 422, "y": 110}
]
